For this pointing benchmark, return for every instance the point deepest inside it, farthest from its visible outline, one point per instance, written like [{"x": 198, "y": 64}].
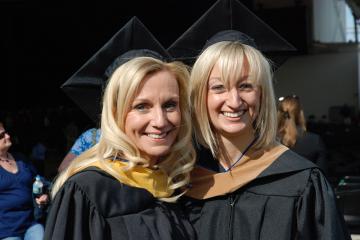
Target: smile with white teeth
[
  {"x": 157, "y": 136},
  {"x": 234, "y": 114}
]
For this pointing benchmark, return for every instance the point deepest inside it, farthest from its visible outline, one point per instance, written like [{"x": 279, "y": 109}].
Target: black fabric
[
  {"x": 85, "y": 86},
  {"x": 230, "y": 15},
  {"x": 230, "y": 35},
  {"x": 127, "y": 56},
  {"x": 311, "y": 146},
  {"x": 94, "y": 205},
  {"x": 290, "y": 200},
  {"x": 206, "y": 160}
]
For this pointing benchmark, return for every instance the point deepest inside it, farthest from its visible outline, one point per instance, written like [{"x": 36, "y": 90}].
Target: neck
[
  {"x": 3, "y": 154},
  {"x": 153, "y": 161},
  {"x": 233, "y": 146}
]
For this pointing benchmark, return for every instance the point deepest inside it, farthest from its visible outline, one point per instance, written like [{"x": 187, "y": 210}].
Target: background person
[
  {"x": 85, "y": 141},
  {"x": 293, "y": 134},
  {"x": 17, "y": 220}
]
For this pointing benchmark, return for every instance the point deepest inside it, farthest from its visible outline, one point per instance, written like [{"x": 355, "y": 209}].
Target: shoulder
[
  {"x": 310, "y": 137},
  {"x": 91, "y": 179},
  {"x": 20, "y": 157},
  {"x": 83, "y": 142},
  {"x": 311, "y": 134},
  {"x": 107, "y": 194},
  {"x": 289, "y": 175},
  {"x": 88, "y": 133},
  {"x": 24, "y": 162},
  {"x": 288, "y": 162}
]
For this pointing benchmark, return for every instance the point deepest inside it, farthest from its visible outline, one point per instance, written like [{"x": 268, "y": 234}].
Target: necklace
[{"x": 242, "y": 154}]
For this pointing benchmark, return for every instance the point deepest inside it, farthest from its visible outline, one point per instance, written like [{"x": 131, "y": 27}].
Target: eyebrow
[
  {"x": 242, "y": 78},
  {"x": 174, "y": 97},
  {"x": 215, "y": 79}
]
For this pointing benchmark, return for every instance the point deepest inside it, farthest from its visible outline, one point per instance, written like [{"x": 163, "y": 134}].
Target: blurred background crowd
[{"x": 45, "y": 135}]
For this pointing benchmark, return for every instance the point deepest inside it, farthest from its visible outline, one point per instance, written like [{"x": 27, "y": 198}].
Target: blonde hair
[
  {"x": 230, "y": 57},
  {"x": 121, "y": 89},
  {"x": 290, "y": 119}
]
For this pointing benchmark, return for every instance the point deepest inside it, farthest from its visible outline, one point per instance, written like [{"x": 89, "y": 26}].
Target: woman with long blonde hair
[
  {"x": 246, "y": 184},
  {"x": 125, "y": 187}
]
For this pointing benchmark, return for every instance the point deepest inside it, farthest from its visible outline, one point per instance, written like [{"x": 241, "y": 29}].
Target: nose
[
  {"x": 159, "y": 118},
  {"x": 234, "y": 99}
]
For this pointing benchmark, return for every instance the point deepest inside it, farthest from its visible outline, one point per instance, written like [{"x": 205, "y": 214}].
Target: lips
[
  {"x": 234, "y": 114},
  {"x": 158, "y": 135}
]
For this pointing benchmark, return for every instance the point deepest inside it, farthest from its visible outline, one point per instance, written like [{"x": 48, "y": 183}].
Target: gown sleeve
[
  {"x": 73, "y": 216},
  {"x": 318, "y": 216}
]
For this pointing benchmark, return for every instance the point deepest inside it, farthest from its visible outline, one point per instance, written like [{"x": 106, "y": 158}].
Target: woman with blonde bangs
[
  {"x": 246, "y": 185},
  {"x": 230, "y": 59},
  {"x": 126, "y": 186}
]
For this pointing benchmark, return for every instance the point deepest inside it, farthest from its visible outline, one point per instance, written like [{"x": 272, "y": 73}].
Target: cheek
[
  {"x": 213, "y": 102},
  {"x": 133, "y": 122},
  {"x": 175, "y": 118},
  {"x": 255, "y": 106}
]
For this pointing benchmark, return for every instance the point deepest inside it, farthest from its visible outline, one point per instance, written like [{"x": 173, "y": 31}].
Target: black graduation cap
[
  {"x": 226, "y": 15},
  {"x": 230, "y": 35},
  {"x": 86, "y": 85}
]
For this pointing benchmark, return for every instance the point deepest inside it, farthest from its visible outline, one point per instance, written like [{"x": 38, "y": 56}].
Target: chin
[
  {"x": 235, "y": 131},
  {"x": 157, "y": 153}
]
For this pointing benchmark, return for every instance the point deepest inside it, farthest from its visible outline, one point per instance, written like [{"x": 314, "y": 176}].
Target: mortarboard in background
[
  {"x": 86, "y": 85},
  {"x": 230, "y": 15}
]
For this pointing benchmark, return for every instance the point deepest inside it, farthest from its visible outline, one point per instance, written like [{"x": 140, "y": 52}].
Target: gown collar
[
  {"x": 154, "y": 181},
  {"x": 208, "y": 179}
]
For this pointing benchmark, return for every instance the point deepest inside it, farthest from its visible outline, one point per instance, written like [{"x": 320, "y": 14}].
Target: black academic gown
[
  {"x": 94, "y": 205},
  {"x": 291, "y": 199}
]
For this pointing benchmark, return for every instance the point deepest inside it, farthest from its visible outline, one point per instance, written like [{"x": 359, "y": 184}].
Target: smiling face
[
  {"x": 233, "y": 104},
  {"x": 5, "y": 142},
  {"x": 153, "y": 120}
]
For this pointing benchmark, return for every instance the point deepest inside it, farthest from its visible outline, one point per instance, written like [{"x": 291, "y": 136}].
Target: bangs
[{"x": 234, "y": 63}]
